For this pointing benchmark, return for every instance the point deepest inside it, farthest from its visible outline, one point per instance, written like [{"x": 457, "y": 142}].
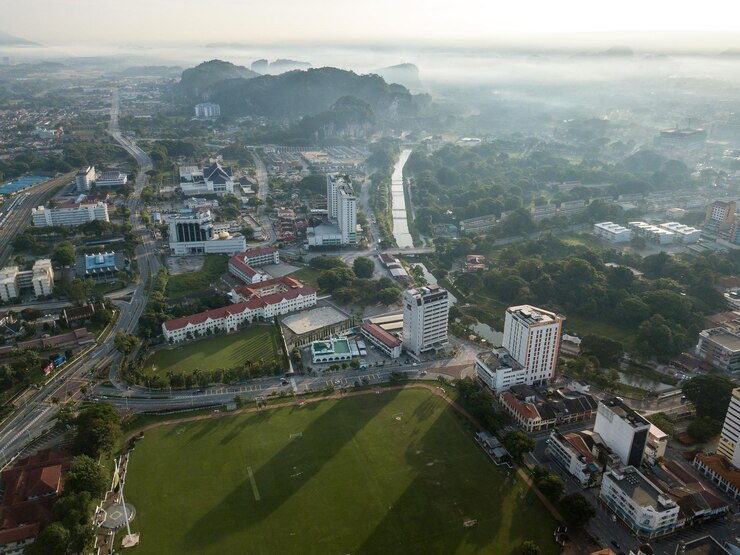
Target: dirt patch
[{"x": 184, "y": 264}]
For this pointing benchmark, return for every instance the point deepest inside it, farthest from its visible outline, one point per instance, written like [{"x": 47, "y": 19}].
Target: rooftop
[
  {"x": 641, "y": 490},
  {"x": 533, "y": 315},
  {"x": 314, "y": 319},
  {"x": 723, "y": 337},
  {"x": 381, "y": 335},
  {"x": 618, "y": 407}
]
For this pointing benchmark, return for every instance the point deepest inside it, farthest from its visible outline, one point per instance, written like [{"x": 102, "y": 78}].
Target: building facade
[
  {"x": 532, "y": 336},
  {"x": 383, "y": 340},
  {"x": 214, "y": 179},
  {"x": 341, "y": 205},
  {"x": 614, "y": 233},
  {"x": 729, "y": 440},
  {"x": 85, "y": 178},
  {"x": 623, "y": 430},
  {"x": 207, "y": 110},
  {"x": 40, "y": 278},
  {"x": 425, "y": 319},
  {"x": 193, "y": 233},
  {"x": 639, "y": 504},
  {"x": 70, "y": 214},
  {"x": 720, "y": 348},
  {"x": 231, "y": 318},
  {"x": 571, "y": 452},
  {"x": 111, "y": 179}
]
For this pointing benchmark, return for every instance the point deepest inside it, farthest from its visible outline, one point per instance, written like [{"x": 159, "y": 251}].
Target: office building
[
  {"x": 729, "y": 440},
  {"x": 638, "y": 503},
  {"x": 653, "y": 233},
  {"x": 111, "y": 179},
  {"x": 103, "y": 267},
  {"x": 215, "y": 179},
  {"x": 341, "y": 205},
  {"x": 193, "y": 233},
  {"x": 207, "y": 110},
  {"x": 40, "y": 279},
  {"x": 70, "y": 215},
  {"x": 720, "y": 348},
  {"x": 623, "y": 430},
  {"x": 614, "y": 233},
  {"x": 85, "y": 178},
  {"x": 425, "y": 319}
]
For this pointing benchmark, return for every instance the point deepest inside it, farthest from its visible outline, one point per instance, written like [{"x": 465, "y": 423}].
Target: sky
[{"x": 666, "y": 24}]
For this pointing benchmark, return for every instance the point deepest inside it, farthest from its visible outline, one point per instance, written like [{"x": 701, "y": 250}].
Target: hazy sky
[{"x": 706, "y": 24}]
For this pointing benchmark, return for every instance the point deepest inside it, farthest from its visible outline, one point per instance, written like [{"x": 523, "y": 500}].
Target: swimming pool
[{"x": 20, "y": 183}]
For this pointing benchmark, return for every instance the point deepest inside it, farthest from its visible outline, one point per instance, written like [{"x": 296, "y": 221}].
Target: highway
[{"x": 37, "y": 413}]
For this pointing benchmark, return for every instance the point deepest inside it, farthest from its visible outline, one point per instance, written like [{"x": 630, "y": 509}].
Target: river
[{"x": 398, "y": 207}]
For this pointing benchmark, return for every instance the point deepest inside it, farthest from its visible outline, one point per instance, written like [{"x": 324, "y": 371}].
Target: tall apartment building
[
  {"x": 720, "y": 213},
  {"x": 40, "y": 278},
  {"x": 84, "y": 178},
  {"x": 530, "y": 350},
  {"x": 341, "y": 207},
  {"x": 70, "y": 214},
  {"x": 207, "y": 110},
  {"x": 193, "y": 233},
  {"x": 425, "y": 318},
  {"x": 623, "y": 430},
  {"x": 729, "y": 440}
]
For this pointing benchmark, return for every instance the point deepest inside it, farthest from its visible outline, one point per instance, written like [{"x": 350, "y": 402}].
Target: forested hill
[
  {"x": 303, "y": 93},
  {"x": 197, "y": 81}
]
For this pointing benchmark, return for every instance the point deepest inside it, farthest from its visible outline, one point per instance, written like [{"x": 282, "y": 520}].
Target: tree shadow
[{"x": 309, "y": 452}]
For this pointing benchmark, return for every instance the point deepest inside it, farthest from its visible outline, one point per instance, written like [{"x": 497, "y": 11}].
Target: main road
[{"x": 37, "y": 413}]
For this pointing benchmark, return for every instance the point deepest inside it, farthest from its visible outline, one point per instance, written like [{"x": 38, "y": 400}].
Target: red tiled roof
[
  {"x": 238, "y": 308},
  {"x": 721, "y": 467},
  {"x": 381, "y": 335},
  {"x": 577, "y": 442},
  {"x": 19, "y": 533},
  {"x": 258, "y": 251},
  {"x": 238, "y": 261},
  {"x": 526, "y": 410},
  {"x": 247, "y": 291}
]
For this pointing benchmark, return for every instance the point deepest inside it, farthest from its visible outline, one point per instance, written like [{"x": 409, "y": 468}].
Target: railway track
[{"x": 17, "y": 215}]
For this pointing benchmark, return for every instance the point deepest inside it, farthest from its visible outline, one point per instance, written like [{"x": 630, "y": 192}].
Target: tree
[
  {"x": 518, "y": 444},
  {"x": 64, "y": 254},
  {"x": 389, "y": 295},
  {"x": 85, "y": 474},
  {"x": 335, "y": 278},
  {"x": 102, "y": 317},
  {"x": 710, "y": 394},
  {"x": 551, "y": 487},
  {"x": 125, "y": 342},
  {"x": 661, "y": 420},
  {"x": 98, "y": 430},
  {"x": 605, "y": 349},
  {"x": 52, "y": 540},
  {"x": 576, "y": 509},
  {"x": 363, "y": 267},
  {"x": 704, "y": 428},
  {"x": 528, "y": 547},
  {"x": 248, "y": 232},
  {"x": 79, "y": 290}
]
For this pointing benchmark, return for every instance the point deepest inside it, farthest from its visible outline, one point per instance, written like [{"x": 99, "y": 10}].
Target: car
[{"x": 616, "y": 544}]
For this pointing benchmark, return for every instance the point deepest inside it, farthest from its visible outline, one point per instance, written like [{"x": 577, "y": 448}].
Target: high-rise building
[
  {"x": 341, "y": 207},
  {"x": 623, "y": 430},
  {"x": 347, "y": 216},
  {"x": 532, "y": 336},
  {"x": 85, "y": 178},
  {"x": 70, "y": 214},
  {"x": 729, "y": 440},
  {"x": 720, "y": 213},
  {"x": 207, "y": 110},
  {"x": 425, "y": 318},
  {"x": 192, "y": 233}
]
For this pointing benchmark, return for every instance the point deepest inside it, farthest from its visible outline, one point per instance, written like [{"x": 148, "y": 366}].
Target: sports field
[
  {"x": 374, "y": 474},
  {"x": 220, "y": 351}
]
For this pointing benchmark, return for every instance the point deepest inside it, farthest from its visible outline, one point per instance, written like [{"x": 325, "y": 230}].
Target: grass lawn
[
  {"x": 220, "y": 351},
  {"x": 373, "y": 474},
  {"x": 309, "y": 276},
  {"x": 180, "y": 285},
  {"x": 583, "y": 326}
]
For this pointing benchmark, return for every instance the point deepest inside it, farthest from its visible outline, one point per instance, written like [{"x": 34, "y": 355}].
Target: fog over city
[{"x": 369, "y": 277}]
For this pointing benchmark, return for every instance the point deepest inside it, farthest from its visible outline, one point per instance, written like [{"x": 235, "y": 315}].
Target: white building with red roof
[
  {"x": 383, "y": 340},
  {"x": 571, "y": 452},
  {"x": 230, "y": 318},
  {"x": 244, "y": 265}
]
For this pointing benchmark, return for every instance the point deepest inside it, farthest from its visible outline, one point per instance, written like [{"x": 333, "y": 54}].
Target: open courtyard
[
  {"x": 394, "y": 472},
  {"x": 257, "y": 342}
]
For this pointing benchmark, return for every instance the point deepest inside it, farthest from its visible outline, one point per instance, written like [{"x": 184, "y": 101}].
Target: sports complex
[{"x": 375, "y": 472}]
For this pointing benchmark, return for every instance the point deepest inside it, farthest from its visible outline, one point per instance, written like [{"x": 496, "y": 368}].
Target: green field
[
  {"x": 309, "y": 276},
  {"x": 181, "y": 285},
  {"x": 372, "y": 474},
  {"x": 221, "y": 351}
]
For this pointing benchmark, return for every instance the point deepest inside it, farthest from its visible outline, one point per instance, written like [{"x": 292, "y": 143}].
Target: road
[{"x": 37, "y": 413}]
